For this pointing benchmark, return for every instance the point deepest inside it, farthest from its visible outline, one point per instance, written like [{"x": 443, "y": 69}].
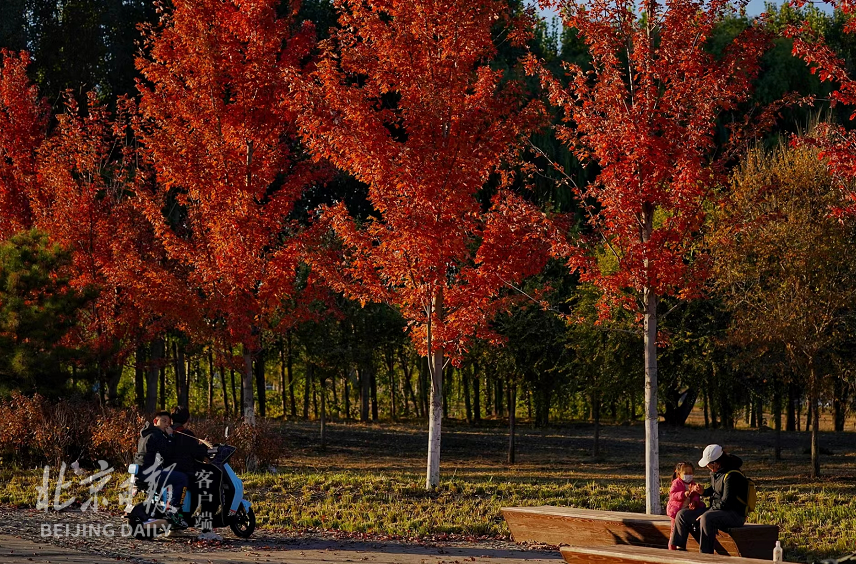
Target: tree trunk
[
  {"x": 407, "y": 385},
  {"x": 210, "y": 382},
  {"x": 237, "y": 401},
  {"x": 799, "y": 411},
  {"x": 247, "y": 399},
  {"x": 239, "y": 405},
  {"x": 677, "y": 411},
  {"x": 336, "y": 404},
  {"x": 446, "y": 385},
  {"x": 595, "y": 412},
  {"x": 179, "y": 362},
  {"x": 512, "y": 419},
  {"x": 290, "y": 374},
  {"x": 477, "y": 394},
  {"x": 140, "y": 378},
  {"x": 424, "y": 385},
  {"x": 704, "y": 397},
  {"x": 162, "y": 387},
  {"x": 314, "y": 395},
  {"x": 223, "y": 386},
  {"x": 282, "y": 379},
  {"x": 347, "y": 378},
  {"x": 193, "y": 369},
  {"x": 435, "y": 419},
  {"x": 791, "y": 417},
  {"x": 365, "y": 393},
  {"x": 390, "y": 372},
  {"x": 465, "y": 381},
  {"x": 323, "y": 394},
  {"x": 498, "y": 410},
  {"x": 777, "y": 416},
  {"x": 373, "y": 391},
  {"x": 753, "y": 414},
  {"x": 307, "y": 389},
  {"x": 652, "y": 442},
  {"x": 814, "y": 411},
  {"x": 155, "y": 355},
  {"x": 261, "y": 383},
  {"x": 632, "y": 406},
  {"x": 759, "y": 410},
  {"x": 748, "y": 412},
  {"x": 839, "y": 404},
  {"x": 102, "y": 386},
  {"x": 114, "y": 374}
]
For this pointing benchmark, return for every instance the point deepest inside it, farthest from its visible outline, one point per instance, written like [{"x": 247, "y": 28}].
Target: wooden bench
[
  {"x": 586, "y": 527},
  {"x": 643, "y": 555}
]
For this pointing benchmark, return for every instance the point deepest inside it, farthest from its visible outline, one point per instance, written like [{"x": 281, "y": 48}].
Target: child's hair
[{"x": 679, "y": 467}]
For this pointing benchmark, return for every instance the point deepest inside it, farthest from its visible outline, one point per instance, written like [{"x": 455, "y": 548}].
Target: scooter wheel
[{"x": 244, "y": 523}]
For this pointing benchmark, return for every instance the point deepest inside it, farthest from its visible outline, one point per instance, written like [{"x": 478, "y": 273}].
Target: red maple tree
[
  {"x": 645, "y": 113},
  {"x": 76, "y": 183},
  {"x": 837, "y": 143},
  {"x": 216, "y": 129},
  {"x": 405, "y": 99},
  {"x": 23, "y": 120},
  {"x": 88, "y": 177}
]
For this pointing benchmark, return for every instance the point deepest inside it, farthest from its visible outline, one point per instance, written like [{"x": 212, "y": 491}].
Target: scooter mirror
[{"x": 226, "y": 434}]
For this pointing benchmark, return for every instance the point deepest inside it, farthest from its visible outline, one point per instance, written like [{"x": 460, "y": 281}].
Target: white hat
[{"x": 711, "y": 454}]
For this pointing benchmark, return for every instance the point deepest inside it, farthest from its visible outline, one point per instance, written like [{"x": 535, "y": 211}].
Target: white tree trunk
[
  {"x": 435, "y": 418},
  {"x": 652, "y": 439}
]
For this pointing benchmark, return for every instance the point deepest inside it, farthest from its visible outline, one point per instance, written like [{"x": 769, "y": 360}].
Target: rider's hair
[
  {"x": 180, "y": 415},
  {"x": 160, "y": 414}
]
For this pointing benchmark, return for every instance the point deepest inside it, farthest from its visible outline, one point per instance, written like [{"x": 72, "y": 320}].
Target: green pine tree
[{"x": 38, "y": 309}]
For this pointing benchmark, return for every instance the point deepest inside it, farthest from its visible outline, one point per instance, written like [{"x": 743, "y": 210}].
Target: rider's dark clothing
[
  {"x": 188, "y": 450},
  {"x": 152, "y": 442}
]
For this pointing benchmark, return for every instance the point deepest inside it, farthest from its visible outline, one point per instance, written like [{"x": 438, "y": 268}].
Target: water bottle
[{"x": 777, "y": 553}]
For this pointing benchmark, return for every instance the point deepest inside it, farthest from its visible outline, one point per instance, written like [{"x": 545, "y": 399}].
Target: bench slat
[
  {"x": 587, "y": 527},
  {"x": 643, "y": 555}
]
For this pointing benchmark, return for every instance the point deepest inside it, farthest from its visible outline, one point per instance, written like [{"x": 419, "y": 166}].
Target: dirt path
[
  {"x": 28, "y": 536},
  {"x": 309, "y": 551},
  {"x": 16, "y": 550}
]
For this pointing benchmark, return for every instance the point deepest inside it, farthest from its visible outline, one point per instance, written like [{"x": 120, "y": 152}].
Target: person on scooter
[
  {"x": 189, "y": 450},
  {"x": 188, "y": 453},
  {"x": 154, "y": 449}
]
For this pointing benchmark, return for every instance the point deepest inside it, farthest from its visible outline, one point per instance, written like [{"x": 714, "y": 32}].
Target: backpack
[{"x": 751, "y": 492}]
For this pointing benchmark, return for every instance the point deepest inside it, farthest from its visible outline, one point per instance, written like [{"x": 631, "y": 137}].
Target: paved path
[{"x": 15, "y": 550}]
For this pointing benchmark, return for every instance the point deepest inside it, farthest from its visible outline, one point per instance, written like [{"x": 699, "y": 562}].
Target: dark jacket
[
  {"x": 724, "y": 492},
  {"x": 152, "y": 441},
  {"x": 187, "y": 451}
]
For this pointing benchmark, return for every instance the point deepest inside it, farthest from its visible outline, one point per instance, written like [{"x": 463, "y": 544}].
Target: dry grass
[{"x": 370, "y": 480}]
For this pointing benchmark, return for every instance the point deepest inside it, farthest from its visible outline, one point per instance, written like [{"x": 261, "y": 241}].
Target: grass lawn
[{"x": 370, "y": 480}]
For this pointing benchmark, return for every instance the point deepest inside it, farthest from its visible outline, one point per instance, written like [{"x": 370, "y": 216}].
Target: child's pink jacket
[{"x": 677, "y": 498}]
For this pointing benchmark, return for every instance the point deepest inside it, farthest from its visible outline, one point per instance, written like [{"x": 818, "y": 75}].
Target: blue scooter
[{"x": 215, "y": 498}]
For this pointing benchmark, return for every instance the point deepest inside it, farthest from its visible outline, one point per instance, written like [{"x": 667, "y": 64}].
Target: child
[{"x": 682, "y": 494}]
